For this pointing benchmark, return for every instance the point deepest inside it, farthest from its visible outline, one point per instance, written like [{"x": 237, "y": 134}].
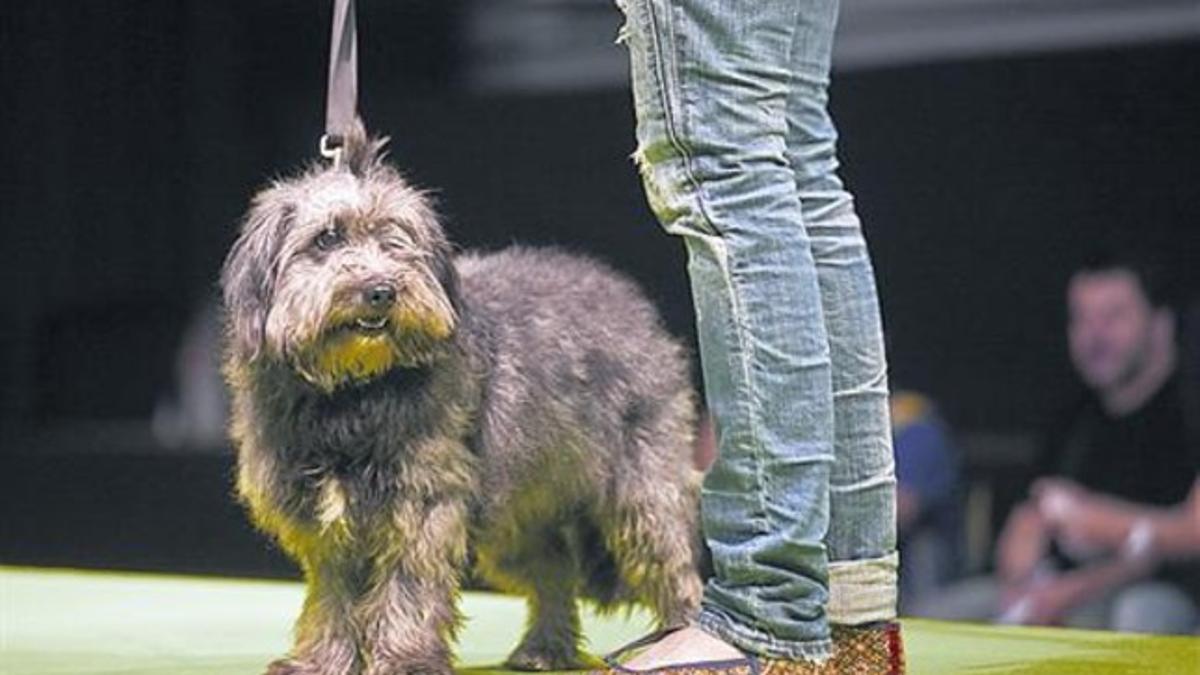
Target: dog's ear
[
  {"x": 428, "y": 229},
  {"x": 249, "y": 274}
]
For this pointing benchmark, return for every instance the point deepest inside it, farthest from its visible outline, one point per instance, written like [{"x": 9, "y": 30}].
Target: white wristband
[{"x": 1139, "y": 543}]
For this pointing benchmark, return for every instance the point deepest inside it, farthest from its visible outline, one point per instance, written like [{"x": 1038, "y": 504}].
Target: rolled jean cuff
[
  {"x": 862, "y": 591},
  {"x": 756, "y": 641}
]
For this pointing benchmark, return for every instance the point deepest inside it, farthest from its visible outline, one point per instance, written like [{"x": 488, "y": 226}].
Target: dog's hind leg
[{"x": 544, "y": 568}]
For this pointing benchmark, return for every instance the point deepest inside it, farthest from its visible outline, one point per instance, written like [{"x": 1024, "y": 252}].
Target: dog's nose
[{"x": 379, "y": 296}]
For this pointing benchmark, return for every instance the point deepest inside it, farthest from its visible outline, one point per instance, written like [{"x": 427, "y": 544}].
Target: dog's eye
[
  {"x": 394, "y": 237},
  {"x": 328, "y": 239},
  {"x": 396, "y": 244}
]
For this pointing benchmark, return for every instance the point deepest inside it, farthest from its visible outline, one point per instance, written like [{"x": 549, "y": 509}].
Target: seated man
[{"x": 1127, "y": 440}]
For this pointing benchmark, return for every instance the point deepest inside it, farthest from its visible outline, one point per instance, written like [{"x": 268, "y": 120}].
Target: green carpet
[{"x": 88, "y": 623}]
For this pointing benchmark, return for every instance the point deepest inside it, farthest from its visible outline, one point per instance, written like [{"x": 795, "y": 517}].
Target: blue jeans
[{"x": 737, "y": 153}]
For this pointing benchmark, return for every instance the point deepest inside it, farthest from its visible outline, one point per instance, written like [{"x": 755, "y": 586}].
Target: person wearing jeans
[{"x": 737, "y": 153}]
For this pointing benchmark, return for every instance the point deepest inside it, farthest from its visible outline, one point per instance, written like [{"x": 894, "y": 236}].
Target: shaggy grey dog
[{"x": 404, "y": 416}]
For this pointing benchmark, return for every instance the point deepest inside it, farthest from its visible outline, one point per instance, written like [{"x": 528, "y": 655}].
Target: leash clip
[{"x": 331, "y": 148}]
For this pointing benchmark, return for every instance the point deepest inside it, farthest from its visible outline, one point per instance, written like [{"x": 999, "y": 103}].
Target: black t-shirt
[{"x": 1146, "y": 456}]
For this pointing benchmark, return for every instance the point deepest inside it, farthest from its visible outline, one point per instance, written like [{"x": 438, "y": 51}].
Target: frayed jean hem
[{"x": 761, "y": 643}]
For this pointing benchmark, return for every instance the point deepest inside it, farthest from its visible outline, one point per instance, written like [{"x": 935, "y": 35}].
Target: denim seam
[
  {"x": 668, "y": 86},
  {"x": 672, "y": 108}
]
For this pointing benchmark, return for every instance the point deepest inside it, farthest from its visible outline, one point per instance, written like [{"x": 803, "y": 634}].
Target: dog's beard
[
  {"x": 356, "y": 347},
  {"x": 352, "y": 356}
]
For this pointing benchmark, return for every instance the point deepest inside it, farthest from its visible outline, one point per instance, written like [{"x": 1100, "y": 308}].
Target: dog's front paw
[{"x": 546, "y": 655}]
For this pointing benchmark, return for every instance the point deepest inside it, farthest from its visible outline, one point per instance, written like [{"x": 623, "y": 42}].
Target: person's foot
[
  {"x": 876, "y": 649},
  {"x": 686, "y": 645}
]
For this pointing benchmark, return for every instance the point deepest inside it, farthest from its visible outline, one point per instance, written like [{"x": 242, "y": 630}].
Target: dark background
[{"x": 134, "y": 133}]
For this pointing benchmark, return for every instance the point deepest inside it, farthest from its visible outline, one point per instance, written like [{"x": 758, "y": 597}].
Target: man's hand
[
  {"x": 1078, "y": 519},
  {"x": 1058, "y": 498}
]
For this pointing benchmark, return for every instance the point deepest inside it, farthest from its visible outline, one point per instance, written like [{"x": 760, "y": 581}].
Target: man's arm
[{"x": 1103, "y": 522}]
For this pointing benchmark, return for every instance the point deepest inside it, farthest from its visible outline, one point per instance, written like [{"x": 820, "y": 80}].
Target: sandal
[
  {"x": 747, "y": 664},
  {"x": 876, "y": 649}
]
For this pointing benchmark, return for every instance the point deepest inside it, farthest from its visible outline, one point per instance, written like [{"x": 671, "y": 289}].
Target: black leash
[{"x": 341, "y": 101}]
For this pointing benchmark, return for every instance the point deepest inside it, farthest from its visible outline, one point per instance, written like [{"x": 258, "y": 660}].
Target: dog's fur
[{"x": 523, "y": 412}]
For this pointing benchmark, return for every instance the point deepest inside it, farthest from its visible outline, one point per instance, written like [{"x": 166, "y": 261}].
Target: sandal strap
[
  {"x": 748, "y": 662},
  {"x": 644, "y": 641}
]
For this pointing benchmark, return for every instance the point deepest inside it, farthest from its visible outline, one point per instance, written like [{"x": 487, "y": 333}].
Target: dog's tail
[{"x": 362, "y": 153}]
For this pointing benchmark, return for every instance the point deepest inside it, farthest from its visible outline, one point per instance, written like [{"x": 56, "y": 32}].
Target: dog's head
[{"x": 341, "y": 273}]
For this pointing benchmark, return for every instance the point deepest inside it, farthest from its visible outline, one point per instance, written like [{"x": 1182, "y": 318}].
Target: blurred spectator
[
  {"x": 929, "y": 498},
  {"x": 194, "y": 415},
  {"x": 1126, "y": 446}
]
